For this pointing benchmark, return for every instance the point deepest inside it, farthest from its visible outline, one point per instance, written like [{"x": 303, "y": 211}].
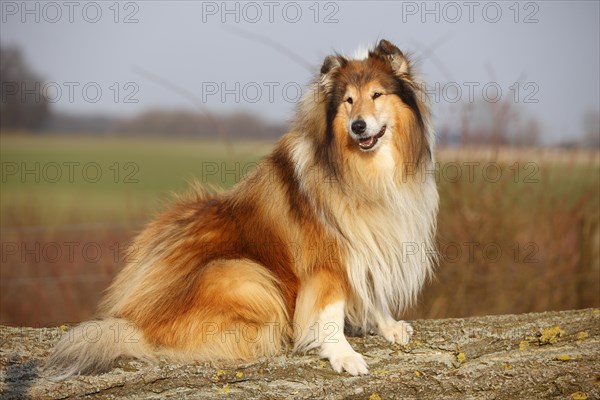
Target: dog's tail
[{"x": 92, "y": 346}]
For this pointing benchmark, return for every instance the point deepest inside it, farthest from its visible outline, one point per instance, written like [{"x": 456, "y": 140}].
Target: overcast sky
[{"x": 542, "y": 55}]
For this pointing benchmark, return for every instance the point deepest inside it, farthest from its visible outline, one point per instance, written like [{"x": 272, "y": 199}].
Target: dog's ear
[
  {"x": 400, "y": 64},
  {"x": 332, "y": 63}
]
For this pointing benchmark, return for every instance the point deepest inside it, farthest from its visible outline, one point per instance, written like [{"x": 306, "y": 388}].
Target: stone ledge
[{"x": 537, "y": 355}]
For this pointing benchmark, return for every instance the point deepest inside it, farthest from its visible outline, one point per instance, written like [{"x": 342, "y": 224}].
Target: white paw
[
  {"x": 397, "y": 332},
  {"x": 353, "y": 363}
]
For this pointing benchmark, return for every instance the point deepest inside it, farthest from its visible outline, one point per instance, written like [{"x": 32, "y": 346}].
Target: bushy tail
[{"x": 93, "y": 346}]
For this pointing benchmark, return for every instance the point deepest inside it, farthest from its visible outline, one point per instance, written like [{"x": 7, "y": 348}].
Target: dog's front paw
[
  {"x": 397, "y": 332},
  {"x": 351, "y": 362}
]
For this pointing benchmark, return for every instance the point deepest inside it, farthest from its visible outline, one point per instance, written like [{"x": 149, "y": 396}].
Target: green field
[
  {"x": 526, "y": 240},
  {"x": 62, "y": 180}
]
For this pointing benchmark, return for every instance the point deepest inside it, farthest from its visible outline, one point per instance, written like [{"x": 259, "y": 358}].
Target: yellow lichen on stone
[
  {"x": 220, "y": 372},
  {"x": 418, "y": 374},
  {"x": 239, "y": 374},
  {"x": 461, "y": 357},
  {"x": 583, "y": 335},
  {"x": 523, "y": 345},
  {"x": 374, "y": 396},
  {"x": 579, "y": 396},
  {"x": 563, "y": 357},
  {"x": 551, "y": 335},
  {"x": 507, "y": 365},
  {"x": 322, "y": 364},
  {"x": 224, "y": 389}
]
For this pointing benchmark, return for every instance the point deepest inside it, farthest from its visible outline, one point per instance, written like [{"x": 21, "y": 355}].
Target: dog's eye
[
  {"x": 349, "y": 100},
  {"x": 376, "y": 95}
]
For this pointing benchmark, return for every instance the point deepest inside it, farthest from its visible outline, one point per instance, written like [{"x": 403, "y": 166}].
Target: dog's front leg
[
  {"x": 319, "y": 323},
  {"x": 334, "y": 345},
  {"x": 392, "y": 330}
]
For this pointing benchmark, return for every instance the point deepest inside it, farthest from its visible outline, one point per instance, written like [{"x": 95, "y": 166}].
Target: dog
[{"x": 334, "y": 228}]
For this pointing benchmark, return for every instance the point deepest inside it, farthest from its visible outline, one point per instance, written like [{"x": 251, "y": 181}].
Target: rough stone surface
[{"x": 530, "y": 356}]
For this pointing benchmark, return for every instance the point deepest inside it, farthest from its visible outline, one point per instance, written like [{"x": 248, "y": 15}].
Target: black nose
[{"x": 359, "y": 126}]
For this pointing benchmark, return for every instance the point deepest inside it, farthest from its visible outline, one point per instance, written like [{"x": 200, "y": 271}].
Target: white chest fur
[{"x": 389, "y": 249}]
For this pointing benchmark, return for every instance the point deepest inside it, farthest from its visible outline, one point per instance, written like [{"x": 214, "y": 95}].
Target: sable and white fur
[{"x": 334, "y": 227}]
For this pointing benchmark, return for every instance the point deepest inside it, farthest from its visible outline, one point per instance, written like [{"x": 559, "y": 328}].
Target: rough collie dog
[{"x": 335, "y": 227}]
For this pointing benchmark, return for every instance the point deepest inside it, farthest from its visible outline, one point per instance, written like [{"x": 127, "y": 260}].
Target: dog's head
[{"x": 373, "y": 103}]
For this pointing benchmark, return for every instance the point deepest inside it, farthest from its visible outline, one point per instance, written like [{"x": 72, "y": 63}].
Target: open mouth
[{"x": 369, "y": 142}]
